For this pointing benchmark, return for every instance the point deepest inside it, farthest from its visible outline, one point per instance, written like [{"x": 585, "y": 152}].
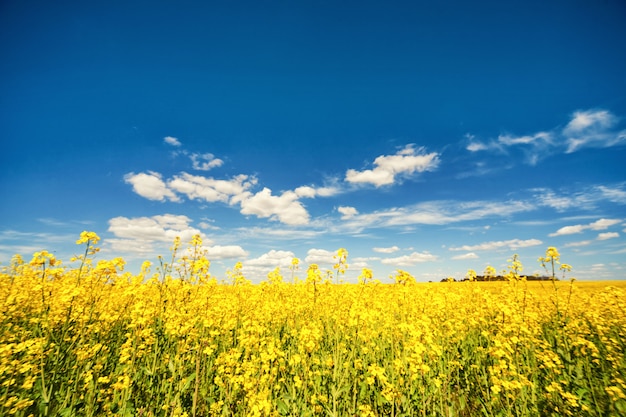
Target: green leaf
[{"x": 188, "y": 380}]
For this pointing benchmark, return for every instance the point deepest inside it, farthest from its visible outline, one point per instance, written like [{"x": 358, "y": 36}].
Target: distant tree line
[{"x": 501, "y": 278}]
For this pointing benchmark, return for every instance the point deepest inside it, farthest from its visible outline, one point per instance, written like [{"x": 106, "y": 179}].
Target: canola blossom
[{"x": 93, "y": 340}]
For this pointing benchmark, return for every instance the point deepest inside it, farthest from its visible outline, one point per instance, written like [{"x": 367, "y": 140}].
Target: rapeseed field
[{"x": 93, "y": 340}]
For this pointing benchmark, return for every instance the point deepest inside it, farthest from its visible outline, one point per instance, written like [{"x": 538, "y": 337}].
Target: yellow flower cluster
[{"x": 95, "y": 340}]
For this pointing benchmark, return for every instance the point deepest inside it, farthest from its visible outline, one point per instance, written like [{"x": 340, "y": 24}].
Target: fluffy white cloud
[
  {"x": 592, "y": 128},
  {"x": 285, "y": 207},
  {"x": 512, "y": 244},
  {"x": 225, "y": 252},
  {"x": 310, "y": 192},
  {"x": 607, "y": 235},
  {"x": 151, "y": 186},
  {"x": 205, "y": 161},
  {"x": 161, "y": 228},
  {"x": 406, "y": 162},
  {"x": 210, "y": 189},
  {"x": 391, "y": 249},
  {"x": 130, "y": 247},
  {"x": 172, "y": 141},
  {"x": 568, "y": 230},
  {"x": 272, "y": 259},
  {"x": 320, "y": 256},
  {"x": 347, "y": 212},
  {"x": 601, "y": 224},
  {"x": 410, "y": 260}
]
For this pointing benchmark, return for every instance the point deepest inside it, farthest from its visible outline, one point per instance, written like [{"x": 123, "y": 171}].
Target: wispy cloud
[
  {"x": 512, "y": 244},
  {"x": 410, "y": 260},
  {"x": 387, "y": 168},
  {"x": 587, "y": 198},
  {"x": 391, "y": 249},
  {"x": 276, "y": 233},
  {"x": 592, "y": 128},
  {"x": 596, "y": 128},
  {"x": 533, "y": 147},
  {"x": 465, "y": 256},
  {"x": 441, "y": 212},
  {"x": 614, "y": 194},
  {"x": 601, "y": 224}
]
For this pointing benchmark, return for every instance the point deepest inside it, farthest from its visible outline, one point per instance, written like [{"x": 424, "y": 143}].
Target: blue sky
[{"x": 432, "y": 137}]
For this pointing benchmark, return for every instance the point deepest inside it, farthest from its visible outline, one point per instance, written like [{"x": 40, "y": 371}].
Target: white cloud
[
  {"x": 150, "y": 185},
  {"x": 327, "y": 191},
  {"x": 306, "y": 191},
  {"x": 225, "y": 252},
  {"x": 613, "y": 194},
  {"x": 272, "y": 259},
  {"x": 512, "y": 244},
  {"x": 465, "y": 256},
  {"x": 601, "y": 224},
  {"x": 476, "y": 146},
  {"x": 538, "y": 139},
  {"x": 534, "y": 145},
  {"x": 391, "y": 249},
  {"x": 286, "y": 208},
  {"x": 172, "y": 141},
  {"x": 410, "y": 260},
  {"x": 347, "y": 212},
  {"x": 435, "y": 213},
  {"x": 208, "y": 225},
  {"x": 607, "y": 235},
  {"x": 205, "y": 161},
  {"x": 568, "y": 230},
  {"x": 407, "y": 161},
  {"x": 320, "y": 256},
  {"x": 128, "y": 247},
  {"x": 210, "y": 189},
  {"x": 441, "y": 212},
  {"x": 161, "y": 228},
  {"x": 592, "y": 128},
  {"x": 586, "y": 128},
  {"x": 548, "y": 198},
  {"x": 587, "y": 198}
]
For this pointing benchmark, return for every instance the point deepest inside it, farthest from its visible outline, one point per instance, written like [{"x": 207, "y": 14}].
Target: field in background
[{"x": 92, "y": 340}]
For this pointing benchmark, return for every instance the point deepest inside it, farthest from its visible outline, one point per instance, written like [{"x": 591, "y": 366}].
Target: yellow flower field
[{"x": 91, "y": 340}]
